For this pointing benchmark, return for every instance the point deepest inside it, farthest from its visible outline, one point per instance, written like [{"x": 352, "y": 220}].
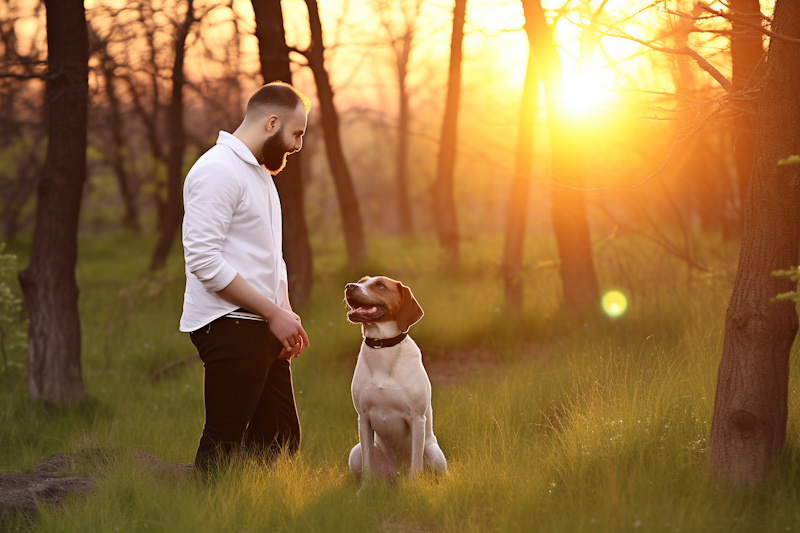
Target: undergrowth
[{"x": 600, "y": 425}]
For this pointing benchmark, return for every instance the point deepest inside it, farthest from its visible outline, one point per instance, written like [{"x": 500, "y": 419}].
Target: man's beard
[{"x": 274, "y": 153}]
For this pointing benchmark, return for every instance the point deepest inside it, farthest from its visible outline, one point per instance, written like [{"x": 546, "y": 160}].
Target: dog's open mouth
[{"x": 364, "y": 312}]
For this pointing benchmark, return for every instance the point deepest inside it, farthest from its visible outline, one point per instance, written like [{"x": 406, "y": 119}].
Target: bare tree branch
[
  {"x": 700, "y": 60},
  {"x": 747, "y": 22},
  {"x": 11, "y": 75}
]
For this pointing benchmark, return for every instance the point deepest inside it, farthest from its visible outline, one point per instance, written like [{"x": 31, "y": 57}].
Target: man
[{"x": 236, "y": 304}]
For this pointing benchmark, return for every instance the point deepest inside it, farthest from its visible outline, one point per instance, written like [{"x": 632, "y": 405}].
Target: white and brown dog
[{"x": 391, "y": 390}]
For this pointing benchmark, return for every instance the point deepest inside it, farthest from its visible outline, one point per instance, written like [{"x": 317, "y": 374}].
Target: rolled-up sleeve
[
  {"x": 210, "y": 197},
  {"x": 284, "y": 276}
]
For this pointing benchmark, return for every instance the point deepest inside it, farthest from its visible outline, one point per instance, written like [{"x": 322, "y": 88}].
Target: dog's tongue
[{"x": 363, "y": 312}]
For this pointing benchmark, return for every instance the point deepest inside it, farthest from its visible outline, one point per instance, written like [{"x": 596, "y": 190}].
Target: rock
[
  {"x": 53, "y": 479},
  {"x": 21, "y": 493}
]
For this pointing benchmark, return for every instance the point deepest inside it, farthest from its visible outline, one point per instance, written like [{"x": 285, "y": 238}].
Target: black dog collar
[{"x": 385, "y": 343}]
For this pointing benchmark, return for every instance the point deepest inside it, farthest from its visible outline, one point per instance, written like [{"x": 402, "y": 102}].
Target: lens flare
[{"x": 614, "y": 304}]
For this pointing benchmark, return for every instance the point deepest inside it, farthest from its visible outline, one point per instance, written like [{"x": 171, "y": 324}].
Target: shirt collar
[{"x": 238, "y": 147}]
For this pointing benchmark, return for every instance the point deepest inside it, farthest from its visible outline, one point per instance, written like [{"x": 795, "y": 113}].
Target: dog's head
[{"x": 381, "y": 299}]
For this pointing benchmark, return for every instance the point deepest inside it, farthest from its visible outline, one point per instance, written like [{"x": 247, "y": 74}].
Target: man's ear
[
  {"x": 410, "y": 311},
  {"x": 273, "y": 123}
]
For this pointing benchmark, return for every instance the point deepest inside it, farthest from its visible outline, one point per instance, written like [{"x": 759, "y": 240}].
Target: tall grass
[{"x": 597, "y": 426}]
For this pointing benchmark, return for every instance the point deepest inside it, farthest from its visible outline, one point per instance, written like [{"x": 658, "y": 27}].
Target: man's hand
[
  {"x": 290, "y": 353},
  {"x": 286, "y": 326},
  {"x": 282, "y": 321}
]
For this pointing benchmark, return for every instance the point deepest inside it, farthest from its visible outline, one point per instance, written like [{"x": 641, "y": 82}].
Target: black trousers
[{"x": 248, "y": 392}]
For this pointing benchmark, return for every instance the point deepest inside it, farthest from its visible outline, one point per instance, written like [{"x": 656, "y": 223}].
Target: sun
[{"x": 586, "y": 91}]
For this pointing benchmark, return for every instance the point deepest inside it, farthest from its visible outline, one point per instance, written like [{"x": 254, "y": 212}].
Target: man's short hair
[{"x": 276, "y": 95}]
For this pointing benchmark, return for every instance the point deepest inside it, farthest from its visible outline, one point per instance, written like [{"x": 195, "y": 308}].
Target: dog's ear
[{"x": 410, "y": 312}]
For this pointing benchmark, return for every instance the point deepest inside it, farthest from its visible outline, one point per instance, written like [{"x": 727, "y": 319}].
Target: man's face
[
  {"x": 286, "y": 140},
  {"x": 274, "y": 152}
]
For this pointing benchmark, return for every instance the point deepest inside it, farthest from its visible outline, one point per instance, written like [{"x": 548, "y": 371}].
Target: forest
[{"x": 595, "y": 202}]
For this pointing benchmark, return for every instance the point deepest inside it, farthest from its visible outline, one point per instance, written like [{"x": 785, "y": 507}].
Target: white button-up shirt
[{"x": 232, "y": 224}]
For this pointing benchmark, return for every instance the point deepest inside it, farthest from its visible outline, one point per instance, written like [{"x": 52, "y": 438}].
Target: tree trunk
[
  {"x": 117, "y": 155},
  {"x": 19, "y": 125},
  {"x": 570, "y": 222},
  {"x": 151, "y": 119},
  {"x": 274, "y": 55},
  {"x": 48, "y": 283},
  {"x": 348, "y": 202},
  {"x": 747, "y": 53},
  {"x": 401, "y": 158},
  {"x": 750, "y": 409},
  {"x": 445, "y": 213},
  {"x": 520, "y": 187},
  {"x": 702, "y": 197},
  {"x": 706, "y": 181},
  {"x": 177, "y": 147}
]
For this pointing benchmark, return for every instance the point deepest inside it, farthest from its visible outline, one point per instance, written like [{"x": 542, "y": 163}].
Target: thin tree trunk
[
  {"x": 703, "y": 195},
  {"x": 445, "y": 213},
  {"x": 21, "y": 182},
  {"x": 520, "y": 186},
  {"x": 117, "y": 156},
  {"x": 48, "y": 283},
  {"x": 750, "y": 409},
  {"x": 177, "y": 147},
  {"x": 747, "y": 53},
  {"x": 152, "y": 120},
  {"x": 274, "y": 56},
  {"x": 352, "y": 224},
  {"x": 706, "y": 182},
  {"x": 401, "y": 157},
  {"x": 20, "y": 192},
  {"x": 570, "y": 222}
]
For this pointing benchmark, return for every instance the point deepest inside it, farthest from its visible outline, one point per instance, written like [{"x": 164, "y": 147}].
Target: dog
[{"x": 391, "y": 390}]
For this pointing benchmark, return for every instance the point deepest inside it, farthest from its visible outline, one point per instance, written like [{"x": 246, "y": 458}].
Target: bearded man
[{"x": 236, "y": 304}]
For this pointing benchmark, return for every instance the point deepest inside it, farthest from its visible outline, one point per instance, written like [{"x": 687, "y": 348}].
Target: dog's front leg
[
  {"x": 417, "y": 445},
  {"x": 367, "y": 437}
]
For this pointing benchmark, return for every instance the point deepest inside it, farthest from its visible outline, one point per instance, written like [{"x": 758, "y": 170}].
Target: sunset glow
[{"x": 586, "y": 92}]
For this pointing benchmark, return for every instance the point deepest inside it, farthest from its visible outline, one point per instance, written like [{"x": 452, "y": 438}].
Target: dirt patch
[
  {"x": 448, "y": 367},
  {"x": 451, "y": 366}
]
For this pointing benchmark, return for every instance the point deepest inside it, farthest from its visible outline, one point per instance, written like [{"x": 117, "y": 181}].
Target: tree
[
  {"x": 445, "y": 213},
  {"x": 115, "y": 123},
  {"x": 570, "y": 222},
  {"x": 701, "y": 187},
  {"x": 747, "y": 53},
  {"x": 49, "y": 287},
  {"x": 520, "y": 184},
  {"x": 173, "y": 213},
  {"x": 352, "y": 225},
  {"x": 22, "y": 132},
  {"x": 750, "y": 408},
  {"x": 150, "y": 116},
  {"x": 401, "y": 40},
  {"x": 274, "y": 56}
]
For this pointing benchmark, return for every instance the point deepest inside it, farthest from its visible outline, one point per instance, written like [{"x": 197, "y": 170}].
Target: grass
[{"x": 598, "y": 426}]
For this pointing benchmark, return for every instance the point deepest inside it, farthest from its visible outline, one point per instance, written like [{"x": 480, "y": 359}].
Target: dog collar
[{"x": 385, "y": 343}]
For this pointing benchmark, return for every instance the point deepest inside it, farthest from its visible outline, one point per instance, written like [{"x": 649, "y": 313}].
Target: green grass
[{"x": 597, "y": 426}]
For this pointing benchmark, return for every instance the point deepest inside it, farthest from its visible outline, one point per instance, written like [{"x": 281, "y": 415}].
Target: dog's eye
[{"x": 380, "y": 285}]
